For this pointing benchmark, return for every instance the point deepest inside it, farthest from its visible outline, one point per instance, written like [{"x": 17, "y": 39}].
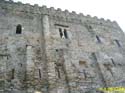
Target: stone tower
[{"x": 47, "y": 50}]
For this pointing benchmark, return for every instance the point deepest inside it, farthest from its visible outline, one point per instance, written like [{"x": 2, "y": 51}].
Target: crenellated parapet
[{"x": 55, "y": 13}]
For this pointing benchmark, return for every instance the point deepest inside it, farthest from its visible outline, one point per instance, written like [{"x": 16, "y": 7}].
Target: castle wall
[
  {"x": 83, "y": 40},
  {"x": 23, "y": 53},
  {"x": 57, "y": 51}
]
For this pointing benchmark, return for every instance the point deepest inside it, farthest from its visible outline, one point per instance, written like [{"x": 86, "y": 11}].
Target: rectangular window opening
[
  {"x": 40, "y": 73},
  {"x": 19, "y": 29},
  {"x": 113, "y": 61},
  {"x": 60, "y": 32},
  {"x": 13, "y": 71},
  {"x": 65, "y": 33},
  {"x": 98, "y": 39},
  {"x": 118, "y": 43},
  {"x": 59, "y": 74}
]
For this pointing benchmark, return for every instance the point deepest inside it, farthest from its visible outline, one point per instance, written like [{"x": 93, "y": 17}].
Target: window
[
  {"x": 60, "y": 32},
  {"x": 65, "y": 33},
  {"x": 39, "y": 73},
  {"x": 58, "y": 71},
  {"x": 118, "y": 43},
  {"x": 18, "y": 29},
  {"x": 13, "y": 71},
  {"x": 98, "y": 39},
  {"x": 112, "y": 61}
]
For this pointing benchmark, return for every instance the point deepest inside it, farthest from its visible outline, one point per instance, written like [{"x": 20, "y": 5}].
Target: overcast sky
[{"x": 108, "y": 9}]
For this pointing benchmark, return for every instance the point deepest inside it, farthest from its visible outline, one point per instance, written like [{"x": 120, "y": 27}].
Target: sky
[{"x": 107, "y": 9}]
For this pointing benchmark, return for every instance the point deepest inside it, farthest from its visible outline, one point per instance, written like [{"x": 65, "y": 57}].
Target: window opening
[
  {"x": 113, "y": 61},
  {"x": 18, "y": 29},
  {"x": 98, "y": 39},
  {"x": 39, "y": 73},
  {"x": 58, "y": 73},
  {"x": 118, "y": 43},
  {"x": 13, "y": 71},
  {"x": 65, "y": 33},
  {"x": 60, "y": 32}
]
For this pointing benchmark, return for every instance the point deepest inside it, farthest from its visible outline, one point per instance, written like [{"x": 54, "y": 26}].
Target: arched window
[{"x": 18, "y": 29}]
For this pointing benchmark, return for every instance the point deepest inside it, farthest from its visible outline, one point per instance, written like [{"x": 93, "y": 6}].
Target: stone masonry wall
[{"x": 57, "y": 51}]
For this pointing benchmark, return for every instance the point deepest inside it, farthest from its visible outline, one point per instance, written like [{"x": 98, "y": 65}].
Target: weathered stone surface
[{"x": 45, "y": 50}]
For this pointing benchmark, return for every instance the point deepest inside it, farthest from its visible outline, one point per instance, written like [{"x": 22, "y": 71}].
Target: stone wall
[{"x": 47, "y": 50}]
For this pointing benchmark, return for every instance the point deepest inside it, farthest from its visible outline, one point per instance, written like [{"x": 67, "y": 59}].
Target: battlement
[{"x": 56, "y": 13}]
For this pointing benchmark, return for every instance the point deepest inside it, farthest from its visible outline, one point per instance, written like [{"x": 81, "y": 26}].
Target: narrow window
[
  {"x": 39, "y": 73},
  {"x": 113, "y": 62},
  {"x": 60, "y": 32},
  {"x": 117, "y": 42},
  {"x": 13, "y": 71},
  {"x": 65, "y": 33},
  {"x": 98, "y": 39},
  {"x": 18, "y": 29},
  {"x": 58, "y": 73}
]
